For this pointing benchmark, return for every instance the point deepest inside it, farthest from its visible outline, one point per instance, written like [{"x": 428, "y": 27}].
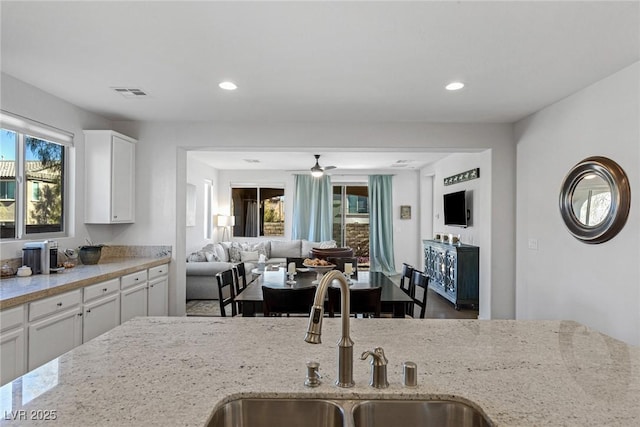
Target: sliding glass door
[{"x": 351, "y": 219}]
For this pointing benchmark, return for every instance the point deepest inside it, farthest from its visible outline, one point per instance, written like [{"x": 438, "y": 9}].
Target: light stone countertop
[
  {"x": 175, "y": 371},
  {"x": 19, "y": 290}
]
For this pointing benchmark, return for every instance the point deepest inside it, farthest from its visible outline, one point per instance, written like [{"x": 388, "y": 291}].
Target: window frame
[
  {"x": 260, "y": 211},
  {"x": 23, "y": 128},
  {"x": 208, "y": 209}
]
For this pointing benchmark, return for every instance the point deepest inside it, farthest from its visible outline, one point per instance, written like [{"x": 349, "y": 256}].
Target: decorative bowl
[
  {"x": 90, "y": 255},
  {"x": 324, "y": 253}
]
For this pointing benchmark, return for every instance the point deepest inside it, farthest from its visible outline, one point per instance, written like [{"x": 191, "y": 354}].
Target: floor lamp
[{"x": 226, "y": 221}]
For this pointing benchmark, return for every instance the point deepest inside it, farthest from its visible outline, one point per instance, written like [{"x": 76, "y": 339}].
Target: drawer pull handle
[
  {"x": 137, "y": 279},
  {"x": 79, "y": 314},
  {"x": 88, "y": 311},
  {"x": 104, "y": 290},
  {"x": 59, "y": 304}
]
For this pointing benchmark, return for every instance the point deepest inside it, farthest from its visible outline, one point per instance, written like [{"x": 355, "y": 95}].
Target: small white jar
[{"x": 24, "y": 271}]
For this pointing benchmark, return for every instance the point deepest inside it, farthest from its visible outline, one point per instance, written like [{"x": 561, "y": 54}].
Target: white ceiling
[
  {"x": 349, "y": 162},
  {"x": 317, "y": 61}
]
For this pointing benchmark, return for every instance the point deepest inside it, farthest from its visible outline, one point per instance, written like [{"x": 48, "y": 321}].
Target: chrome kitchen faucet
[{"x": 345, "y": 345}]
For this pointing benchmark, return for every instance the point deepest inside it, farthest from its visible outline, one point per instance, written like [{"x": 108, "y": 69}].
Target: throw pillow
[
  {"x": 328, "y": 244},
  {"x": 234, "y": 252},
  {"x": 248, "y": 256},
  {"x": 211, "y": 257},
  {"x": 260, "y": 248},
  {"x": 198, "y": 256},
  {"x": 284, "y": 249},
  {"x": 220, "y": 252}
]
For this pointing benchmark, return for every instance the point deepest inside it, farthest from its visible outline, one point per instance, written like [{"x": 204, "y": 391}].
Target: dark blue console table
[{"x": 453, "y": 271}]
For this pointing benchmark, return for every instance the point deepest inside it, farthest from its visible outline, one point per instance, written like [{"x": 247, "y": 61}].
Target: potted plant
[{"x": 90, "y": 254}]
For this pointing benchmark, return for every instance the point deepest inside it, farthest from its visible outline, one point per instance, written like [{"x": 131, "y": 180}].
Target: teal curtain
[
  {"x": 381, "y": 224},
  {"x": 312, "y": 201}
]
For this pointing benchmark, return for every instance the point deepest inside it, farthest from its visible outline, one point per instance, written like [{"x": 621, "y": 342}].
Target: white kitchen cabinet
[
  {"x": 133, "y": 295},
  {"x": 109, "y": 177},
  {"x": 55, "y": 327},
  {"x": 158, "y": 291},
  {"x": 13, "y": 354},
  {"x": 101, "y": 308}
]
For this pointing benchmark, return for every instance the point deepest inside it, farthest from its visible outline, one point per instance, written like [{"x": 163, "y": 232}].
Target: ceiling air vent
[{"x": 128, "y": 92}]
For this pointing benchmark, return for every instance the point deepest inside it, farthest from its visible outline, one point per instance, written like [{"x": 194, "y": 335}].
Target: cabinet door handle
[
  {"x": 136, "y": 279},
  {"x": 104, "y": 290},
  {"x": 88, "y": 310},
  {"x": 59, "y": 304},
  {"x": 79, "y": 314}
]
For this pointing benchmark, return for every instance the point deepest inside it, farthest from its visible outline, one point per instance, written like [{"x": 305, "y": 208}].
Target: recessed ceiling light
[
  {"x": 228, "y": 86},
  {"x": 454, "y": 86}
]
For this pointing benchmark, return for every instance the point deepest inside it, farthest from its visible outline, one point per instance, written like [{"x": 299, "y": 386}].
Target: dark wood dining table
[{"x": 393, "y": 299}]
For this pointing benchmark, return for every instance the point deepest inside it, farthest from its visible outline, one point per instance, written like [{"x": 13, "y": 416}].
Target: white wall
[
  {"x": 598, "y": 285},
  {"x": 479, "y": 233},
  {"x": 197, "y": 173}
]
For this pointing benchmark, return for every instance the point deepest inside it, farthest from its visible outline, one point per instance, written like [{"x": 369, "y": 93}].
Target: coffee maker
[{"x": 37, "y": 255}]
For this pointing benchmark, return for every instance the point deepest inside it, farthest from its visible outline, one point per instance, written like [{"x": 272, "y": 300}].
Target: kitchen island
[{"x": 172, "y": 371}]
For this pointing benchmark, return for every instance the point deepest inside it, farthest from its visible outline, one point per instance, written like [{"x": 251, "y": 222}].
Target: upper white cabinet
[{"x": 109, "y": 177}]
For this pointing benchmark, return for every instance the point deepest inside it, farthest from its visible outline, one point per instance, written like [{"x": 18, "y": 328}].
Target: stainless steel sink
[
  {"x": 346, "y": 413},
  {"x": 441, "y": 413},
  {"x": 278, "y": 412}
]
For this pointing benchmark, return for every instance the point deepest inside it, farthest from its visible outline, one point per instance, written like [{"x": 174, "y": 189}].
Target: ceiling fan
[{"x": 317, "y": 170}]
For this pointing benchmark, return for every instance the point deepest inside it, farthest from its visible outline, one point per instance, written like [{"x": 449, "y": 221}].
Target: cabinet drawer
[
  {"x": 11, "y": 318},
  {"x": 46, "y": 306},
  {"x": 101, "y": 289},
  {"x": 161, "y": 270},
  {"x": 133, "y": 279}
]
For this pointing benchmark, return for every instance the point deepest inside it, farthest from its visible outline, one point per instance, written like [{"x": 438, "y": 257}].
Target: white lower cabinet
[
  {"x": 13, "y": 354},
  {"x": 55, "y": 327},
  {"x": 36, "y": 333},
  {"x": 101, "y": 309},
  {"x": 158, "y": 291},
  {"x": 133, "y": 302}
]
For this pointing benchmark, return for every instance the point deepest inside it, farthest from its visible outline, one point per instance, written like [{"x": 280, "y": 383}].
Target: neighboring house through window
[{"x": 33, "y": 177}]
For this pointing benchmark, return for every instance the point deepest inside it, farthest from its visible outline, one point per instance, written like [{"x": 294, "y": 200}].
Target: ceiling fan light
[
  {"x": 454, "y": 86},
  {"x": 316, "y": 172},
  {"x": 227, "y": 85}
]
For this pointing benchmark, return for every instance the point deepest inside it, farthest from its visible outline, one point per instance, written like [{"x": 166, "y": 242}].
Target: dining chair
[
  {"x": 405, "y": 278},
  {"x": 226, "y": 292},
  {"x": 420, "y": 281},
  {"x": 364, "y": 301},
  {"x": 339, "y": 262},
  {"x": 240, "y": 277},
  {"x": 239, "y": 282},
  {"x": 279, "y": 301}
]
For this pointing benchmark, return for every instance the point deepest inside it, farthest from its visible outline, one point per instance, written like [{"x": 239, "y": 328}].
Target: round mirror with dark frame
[{"x": 595, "y": 199}]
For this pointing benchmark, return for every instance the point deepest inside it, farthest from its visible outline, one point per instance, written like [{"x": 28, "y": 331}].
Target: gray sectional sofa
[{"x": 204, "y": 264}]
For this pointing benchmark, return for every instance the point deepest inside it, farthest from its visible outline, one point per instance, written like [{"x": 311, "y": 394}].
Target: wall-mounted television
[{"x": 455, "y": 209}]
